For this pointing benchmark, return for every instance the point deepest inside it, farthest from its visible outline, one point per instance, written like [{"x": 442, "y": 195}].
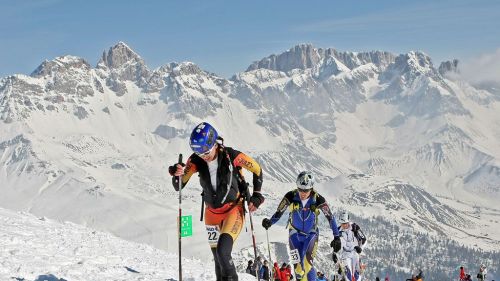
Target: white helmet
[
  {"x": 305, "y": 180},
  {"x": 344, "y": 217}
]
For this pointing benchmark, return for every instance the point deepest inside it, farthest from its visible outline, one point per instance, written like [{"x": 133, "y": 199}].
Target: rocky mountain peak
[
  {"x": 415, "y": 60},
  {"x": 121, "y": 64},
  {"x": 60, "y": 64},
  {"x": 186, "y": 68},
  {"x": 355, "y": 59},
  {"x": 120, "y": 55},
  {"x": 301, "y": 56},
  {"x": 410, "y": 66},
  {"x": 449, "y": 67}
]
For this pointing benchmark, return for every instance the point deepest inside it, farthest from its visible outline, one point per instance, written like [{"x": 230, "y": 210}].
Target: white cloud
[{"x": 482, "y": 69}]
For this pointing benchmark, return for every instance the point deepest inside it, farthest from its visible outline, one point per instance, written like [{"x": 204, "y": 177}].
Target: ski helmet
[
  {"x": 305, "y": 180},
  {"x": 344, "y": 217},
  {"x": 203, "y": 138}
]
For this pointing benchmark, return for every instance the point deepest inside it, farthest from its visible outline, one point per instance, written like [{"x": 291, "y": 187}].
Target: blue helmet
[{"x": 203, "y": 138}]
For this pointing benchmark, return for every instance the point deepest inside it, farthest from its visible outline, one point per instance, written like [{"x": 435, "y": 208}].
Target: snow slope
[{"x": 42, "y": 249}]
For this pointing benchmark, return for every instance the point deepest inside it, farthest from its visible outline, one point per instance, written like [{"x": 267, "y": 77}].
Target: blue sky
[{"x": 224, "y": 37}]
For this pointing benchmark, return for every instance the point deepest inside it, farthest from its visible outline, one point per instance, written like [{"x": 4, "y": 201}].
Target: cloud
[
  {"x": 482, "y": 69},
  {"x": 421, "y": 17}
]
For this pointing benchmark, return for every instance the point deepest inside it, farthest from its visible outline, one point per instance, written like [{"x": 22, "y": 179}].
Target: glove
[
  {"x": 266, "y": 223},
  {"x": 334, "y": 258},
  {"x": 336, "y": 244},
  {"x": 256, "y": 199},
  {"x": 355, "y": 227},
  {"x": 172, "y": 169},
  {"x": 358, "y": 249}
]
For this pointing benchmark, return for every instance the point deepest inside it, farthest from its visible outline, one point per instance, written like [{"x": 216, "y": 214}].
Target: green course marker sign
[{"x": 186, "y": 226}]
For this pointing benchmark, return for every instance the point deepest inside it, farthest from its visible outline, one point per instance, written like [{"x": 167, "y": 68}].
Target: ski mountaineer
[
  {"x": 304, "y": 205},
  {"x": 224, "y": 191},
  {"x": 462, "y": 274},
  {"x": 482, "y": 273},
  {"x": 353, "y": 240}
]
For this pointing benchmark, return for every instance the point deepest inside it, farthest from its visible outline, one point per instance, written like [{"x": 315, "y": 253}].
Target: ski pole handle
[{"x": 180, "y": 177}]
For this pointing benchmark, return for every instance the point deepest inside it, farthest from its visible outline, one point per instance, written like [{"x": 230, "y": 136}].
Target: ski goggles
[
  {"x": 206, "y": 153},
  {"x": 304, "y": 190}
]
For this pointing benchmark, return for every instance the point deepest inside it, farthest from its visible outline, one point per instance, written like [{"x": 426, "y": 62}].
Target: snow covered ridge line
[
  {"x": 70, "y": 79},
  {"x": 41, "y": 249}
]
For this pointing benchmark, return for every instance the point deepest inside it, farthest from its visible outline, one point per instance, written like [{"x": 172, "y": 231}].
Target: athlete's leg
[
  {"x": 218, "y": 273},
  {"x": 231, "y": 228},
  {"x": 295, "y": 242},
  {"x": 356, "y": 267},
  {"x": 311, "y": 243},
  {"x": 224, "y": 248},
  {"x": 348, "y": 268},
  {"x": 213, "y": 224}
]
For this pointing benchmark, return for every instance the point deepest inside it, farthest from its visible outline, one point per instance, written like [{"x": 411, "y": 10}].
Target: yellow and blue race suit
[{"x": 303, "y": 230}]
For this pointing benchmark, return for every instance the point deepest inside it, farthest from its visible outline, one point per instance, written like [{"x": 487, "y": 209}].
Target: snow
[{"x": 34, "y": 247}]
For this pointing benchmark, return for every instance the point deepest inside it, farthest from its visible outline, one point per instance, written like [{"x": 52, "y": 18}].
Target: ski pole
[
  {"x": 269, "y": 252},
  {"x": 179, "y": 222},
  {"x": 252, "y": 231},
  {"x": 353, "y": 276}
]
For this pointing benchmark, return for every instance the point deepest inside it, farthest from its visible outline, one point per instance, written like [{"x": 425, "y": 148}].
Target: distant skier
[
  {"x": 264, "y": 272},
  {"x": 285, "y": 272},
  {"x": 289, "y": 274},
  {"x": 353, "y": 240},
  {"x": 481, "y": 275},
  {"x": 462, "y": 274},
  {"x": 276, "y": 272},
  {"x": 304, "y": 205},
  {"x": 219, "y": 168},
  {"x": 250, "y": 268}
]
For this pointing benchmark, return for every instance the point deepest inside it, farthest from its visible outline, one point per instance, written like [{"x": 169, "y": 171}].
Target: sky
[{"x": 224, "y": 37}]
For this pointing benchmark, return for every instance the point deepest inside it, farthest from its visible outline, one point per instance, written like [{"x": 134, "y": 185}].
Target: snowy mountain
[{"x": 388, "y": 135}]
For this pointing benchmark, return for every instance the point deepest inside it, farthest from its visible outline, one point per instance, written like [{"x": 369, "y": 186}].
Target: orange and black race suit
[{"x": 224, "y": 214}]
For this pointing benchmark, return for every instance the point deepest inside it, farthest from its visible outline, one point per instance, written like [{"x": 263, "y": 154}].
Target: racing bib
[
  {"x": 213, "y": 234},
  {"x": 294, "y": 256}
]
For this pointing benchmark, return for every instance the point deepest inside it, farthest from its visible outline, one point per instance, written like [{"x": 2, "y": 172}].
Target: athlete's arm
[
  {"x": 285, "y": 202},
  {"x": 323, "y": 206},
  {"x": 247, "y": 162}
]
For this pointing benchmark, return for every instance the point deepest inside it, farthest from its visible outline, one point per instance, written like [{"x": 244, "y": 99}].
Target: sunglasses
[{"x": 304, "y": 190}]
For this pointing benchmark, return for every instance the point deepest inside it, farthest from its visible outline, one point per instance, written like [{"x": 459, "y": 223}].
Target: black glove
[
  {"x": 355, "y": 227},
  {"x": 266, "y": 223},
  {"x": 256, "y": 199},
  {"x": 336, "y": 244},
  {"x": 334, "y": 258},
  {"x": 172, "y": 169},
  {"x": 358, "y": 249}
]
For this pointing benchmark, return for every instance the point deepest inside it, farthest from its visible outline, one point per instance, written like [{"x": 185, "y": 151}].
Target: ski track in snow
[{"x": 38, "y": 249}]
